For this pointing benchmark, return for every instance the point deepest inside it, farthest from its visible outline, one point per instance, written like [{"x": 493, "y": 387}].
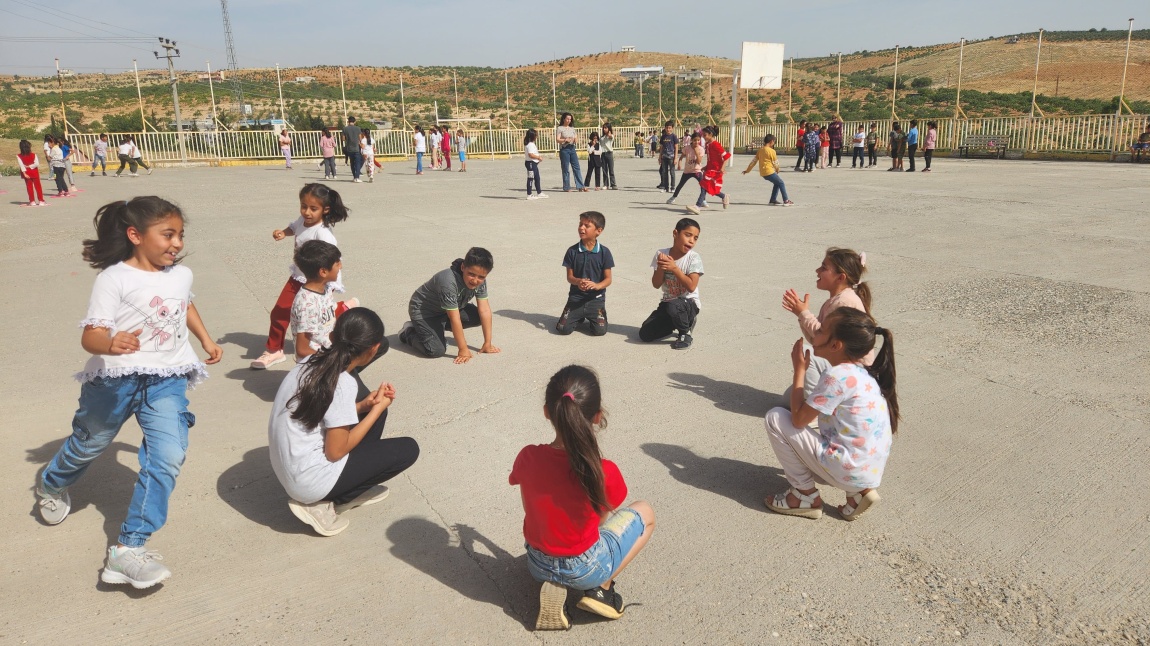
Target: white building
[
  {"x": 627, "y": 49},
  {"x": 635, "y": 74}
]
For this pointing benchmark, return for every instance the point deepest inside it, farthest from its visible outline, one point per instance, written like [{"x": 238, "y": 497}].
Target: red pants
[
  {"x": 281, "y": 314},
  {"x": 32, "y": 183}
]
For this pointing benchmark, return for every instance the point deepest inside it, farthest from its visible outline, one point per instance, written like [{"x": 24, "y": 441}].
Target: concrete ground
[{"x": 1015, "y": 509}]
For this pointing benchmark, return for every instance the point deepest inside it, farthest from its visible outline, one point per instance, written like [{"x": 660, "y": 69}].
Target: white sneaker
[
  {"x": 321, "y": 516},
  {"x": 150, "y": 171},
  {"x": 670, "y": 200},
  {"x": 543, "y": 196},
  {"x": 369, "y": 497},
  {"x": 53, "y": 508},
  {"x": 133, "y": 174},
  {"x": 135, "y": 565},
  {"x": 357, "y": 180},
  {"x": 532, "y": 197},
  {"x": 691, "y": 208},
  {"x": 726, "y": 201},
  {"x": 268, "y": 359}
]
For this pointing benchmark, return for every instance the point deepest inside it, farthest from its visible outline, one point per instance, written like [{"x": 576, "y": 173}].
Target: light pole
[{"x": 171, "y": 52}]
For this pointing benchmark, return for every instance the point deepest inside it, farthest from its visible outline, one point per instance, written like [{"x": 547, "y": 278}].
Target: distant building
[
  {"x": 627, "y": 49},
  {"x": 690, "y": 75},
  {"x": 641, "y": 73},
  {"x": 215, "y": 76},
  {"x": 1012, "y": 40},
  {"x": 67, "y": 73},
  {"x": 304, "y": 79}
]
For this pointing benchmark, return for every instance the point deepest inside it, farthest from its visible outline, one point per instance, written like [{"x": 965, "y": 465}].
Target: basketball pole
[{"x": 734, "y": 106}]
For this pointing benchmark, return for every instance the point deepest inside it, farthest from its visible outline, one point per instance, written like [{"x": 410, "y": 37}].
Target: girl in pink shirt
[
  {"x": 327, "y": 148},
  {"x": 929, "y": 144}
]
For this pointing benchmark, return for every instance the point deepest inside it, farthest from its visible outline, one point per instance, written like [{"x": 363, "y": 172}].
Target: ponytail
[
  {"x": 857, "y": 331},
  {"x": 112, "y": 222},
  {"x": 884, "y": 373},
  {"x": 330, "y": 199},
  {"x": 573, "y": 401},
  {"x": 355, "y": 332},
  {"x": 852, "y": 264}
]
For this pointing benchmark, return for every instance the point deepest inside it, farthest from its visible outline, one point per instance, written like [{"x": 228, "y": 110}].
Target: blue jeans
[
  {"x": 617, "y": 535},
  {"x": 160, "y": 405},
  {"x": 569, "y": 160},
  {"x": 419, "y": 162},
  {"x": 703, "y": 196},
  {"x": 356, "y": 159},
  {"x": 99, "y": 160},
  {"x": 779, "y": 186}
]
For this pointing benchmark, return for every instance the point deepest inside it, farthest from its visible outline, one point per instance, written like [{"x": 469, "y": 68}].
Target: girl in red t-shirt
[
  {"x": 577, "y": 534},
  {"x": 30, "y": 171}
]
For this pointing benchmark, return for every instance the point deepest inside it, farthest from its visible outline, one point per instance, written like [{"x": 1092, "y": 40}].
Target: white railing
[{"x": 1086, "y": 133}]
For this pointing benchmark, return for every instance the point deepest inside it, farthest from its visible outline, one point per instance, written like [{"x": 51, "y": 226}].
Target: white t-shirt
[
  {"x": 314, "y": 313},
  {"x": 303, "y": 234},
  {"x": 296, "y": 451},
  {"x": 854, "y": 425},
  {"x": 125, "y": 148},
  {"x": 860, "y": 139},
  {"x": 128, "y": 299},
  {"x": 690, "y": 263},
  {"x": 461, "y": 143},
  {"x": 420, "y": 142},
  {"x": 368, "y": 149},
  {"x": 436, "y": 140},
  {"x": 531, "y": 149},
  {"x": 100, "y": 148},
  {"x": 135, "y": 154}
]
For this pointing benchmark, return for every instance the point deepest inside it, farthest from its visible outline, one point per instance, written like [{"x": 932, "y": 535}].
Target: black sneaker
[
  {"x": 605, "y": 603},
  {"x": 682, "y": 343}
]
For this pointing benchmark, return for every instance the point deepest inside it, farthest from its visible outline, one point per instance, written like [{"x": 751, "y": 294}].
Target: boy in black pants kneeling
[
  {"x": 588, "y": 266},
  {"x": 678, "y": 270},
  {"x": 443, "y": 301}
]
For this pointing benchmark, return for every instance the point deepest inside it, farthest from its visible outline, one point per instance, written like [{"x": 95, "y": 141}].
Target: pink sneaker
[{"x": 268, "y": 359}]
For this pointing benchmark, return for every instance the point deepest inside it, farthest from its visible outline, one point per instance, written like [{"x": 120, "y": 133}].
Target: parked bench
[
  {"x": 752, "y": 149},
  {"x": 984, "y": 144}
]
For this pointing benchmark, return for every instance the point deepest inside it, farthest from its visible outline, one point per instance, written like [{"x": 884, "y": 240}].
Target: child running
[
  {"x": 531, "y": 161},
  {"x": 461, "y": 141},
  {"x": 692, "y": 155},
  {"x": 857, "y": 412},
  {"x": 678, "y": 270},
  {"x": 577, "y": 534},
  {"x": 712, "y": 181},
  {"x": 325, "y": 438},
  {"x": 443, "y": 301},
  {"x": 314, "y": 310},
  {"x": 100, "y": 156},
  {"x": 320, "y": 209},
  {"x": 30, "y": 171},
  {"x": 588, "y": 266},
  {"x": 124, "y": 152},
  {"x": 768, "y": 161},
  {"x": 136, "y": 330},
  {"x": 840, "y": 274}
]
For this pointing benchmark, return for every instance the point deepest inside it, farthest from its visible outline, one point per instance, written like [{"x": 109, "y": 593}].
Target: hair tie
[
  {"x": 862, "y": 260},
  {"x": 569, "y": 396}
]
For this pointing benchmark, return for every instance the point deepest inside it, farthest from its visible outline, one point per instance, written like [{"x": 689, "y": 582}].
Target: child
[
  {"x": 639, "y": 144},
  {"x": 124, "y": 152},
  {"x": 692, "y": 155},
  {"x": 872, "y": 145},
  {"x": 445, "y": 145},
  {"x": 314, "y": 310},
  {"x": 443, "y": 301},
  {"x": 138, "y": 156},
  {"x": 367, "y": 149},
  {"x": 531, "y": 161},
  {"x": 824, "y": 147},
  {"x": 897, "y": 144},
  {"x": 136, "y": 329},
  {"x": 857, "y": 412},
  {"x": 835, "y": 132},
  {"x": 30, "y": 171},
  {"x": 69, "y": 156},
  {"x": 285, "y": 147},
  {"x": 801, "y": 145},
  {"x": 435, "y": 139},
  {"x": 588, "y": 266},
  {"x": 327, "y": 449},
  {"x": 593, "y": 161},
  {"x": 678, "y": 270},
  {"x": 420, "y": 143},
  {"x": 100, "y": 156},
  {"x": 668, "y": 153},
  {"x": 840, "y": 274},
  {"x": 577, "y": 534},
  {"x": 811, "y": 146},
  {"x": 461, "y": 141},
  {"x": 320, "y": 208},
  {"x": 327, "y": 149},
  {"x": 930, "y": 143},
  {"x": 912, "y": 142},
  {"x": 858, "y": 147},
  {"x": 768, "y": 161},
  {"x": 607, "y": 156},
  {"x": 712, "y": 180},
  {"x": 56, "y": 162}
]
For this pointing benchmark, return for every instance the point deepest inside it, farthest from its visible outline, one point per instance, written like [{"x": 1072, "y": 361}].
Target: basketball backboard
[{"x": 762, "y": 66}]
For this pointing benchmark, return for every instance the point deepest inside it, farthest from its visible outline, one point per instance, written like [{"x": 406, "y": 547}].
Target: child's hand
[
  {"x": 463, "y": 357},
  {"x": 793, "y": 304},
  {"x": 746, "y": 171},
  {"x": 487, "y": 348},
  {"x": 215, "y": 352},
  {"x": 665, "y": 262},
  {"x": 800, "y": 358},
  {"x": 586, "y": 284},
  {"x": 278, "y": 235},
  {"x": 382, "y": 397},
  {"x": 125, "y": 342}
]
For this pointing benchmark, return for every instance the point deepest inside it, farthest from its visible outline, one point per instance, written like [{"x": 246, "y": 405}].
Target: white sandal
[
  {"x": 806, "y": 509},
  {"x": 858, "y": 503}
]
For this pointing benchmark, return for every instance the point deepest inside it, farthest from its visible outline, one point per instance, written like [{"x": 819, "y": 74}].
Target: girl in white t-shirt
[
  {"x": 420, "y": 142},
  {"x": 325, "y": 434},
  {"x": 136, "y": 330},
  {"x": 857, "y": 411},
  {"x": 531, "y": 161},
  {"x": 435, "y": 138},
  {"x": 367, "y": 148},
  {"x": 320, "y": 208}
]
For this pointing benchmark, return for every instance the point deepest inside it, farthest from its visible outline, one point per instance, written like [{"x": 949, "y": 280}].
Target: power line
[
  {"x": 86, "y": 21},
  {"x": 62, "y": 28}
]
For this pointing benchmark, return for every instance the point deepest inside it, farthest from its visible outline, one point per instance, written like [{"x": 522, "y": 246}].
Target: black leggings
[
  {"x": 533, "y": 174},
  {"x": 802, "y": 156},
  {"x": 427, "y": 336},
  {"x": 871, "y": 154},
  {"x": 140, "y": 161},
  {"x": 372, "y": 461},
  {"x": 683, "y": 180},
  {"x": 677, "y": 315},
  {"x": 836, "y": 154},
  {"x": 593, "y": 163},
  {"x": 910, "y": 151},
  {"x": 593, "y": 311},
  {"x": 61, "y": 183},
  {"x": 926, "y": 155}
]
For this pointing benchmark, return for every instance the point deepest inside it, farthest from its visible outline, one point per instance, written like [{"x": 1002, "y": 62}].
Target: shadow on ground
[
  {"x": 252, "y": 489},
  {"x": 727, "y": 395},
  {"x": 743, "y": 482},
  {"x": 546, "y": 322}
]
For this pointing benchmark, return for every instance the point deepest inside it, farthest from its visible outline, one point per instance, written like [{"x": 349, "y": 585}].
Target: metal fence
[{"x": 1078, "y": 134}]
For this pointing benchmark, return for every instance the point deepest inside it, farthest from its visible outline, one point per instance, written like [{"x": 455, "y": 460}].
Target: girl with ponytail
[
  {"x": 327, "y": 448},
  {"x": 857, "y": 410},
  {"x": 577, "y": 535}
]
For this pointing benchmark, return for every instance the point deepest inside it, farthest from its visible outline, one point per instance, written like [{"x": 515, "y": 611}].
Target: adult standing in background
[
  {"x": 835, "y": 130},
  {"x": 351, "y": 148},
  {"x": 285, "y": 146},
  {"x": 568, "y": 153}
]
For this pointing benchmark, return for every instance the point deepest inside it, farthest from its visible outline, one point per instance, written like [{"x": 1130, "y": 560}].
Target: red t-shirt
[
  {"x": 802, "y": 131},
  {"x": 559, "y": 519}
]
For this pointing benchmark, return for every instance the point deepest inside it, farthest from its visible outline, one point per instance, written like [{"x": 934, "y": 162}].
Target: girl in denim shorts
[
  {"x": 577, "y": 534},
  {"x": 142, "y": 364}
]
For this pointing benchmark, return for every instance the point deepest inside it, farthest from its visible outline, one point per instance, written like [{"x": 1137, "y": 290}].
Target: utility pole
[
  {"x": 280, "y": 87},
  {"x": 140, "y": 96},
  {"x": 455, "y": 82},
  {"x": 171, "y": 52},
  {"x": 839, "y": 87},
  {"x": 63, "y": 112}
]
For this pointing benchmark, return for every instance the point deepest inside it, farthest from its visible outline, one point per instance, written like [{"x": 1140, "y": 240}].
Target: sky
[{"x": 94, "y": 37}]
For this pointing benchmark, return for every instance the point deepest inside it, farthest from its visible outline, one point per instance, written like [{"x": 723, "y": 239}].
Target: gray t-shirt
[
  {"x": 351, "y": 138},
  {"x": 445, "y": 291}
]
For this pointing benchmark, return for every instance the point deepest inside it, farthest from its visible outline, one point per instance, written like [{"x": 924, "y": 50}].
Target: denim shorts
[{"x": 617, "y": 535}]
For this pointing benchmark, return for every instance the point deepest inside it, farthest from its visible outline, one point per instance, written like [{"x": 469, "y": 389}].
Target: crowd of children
[{"x": 818, "y": 145}]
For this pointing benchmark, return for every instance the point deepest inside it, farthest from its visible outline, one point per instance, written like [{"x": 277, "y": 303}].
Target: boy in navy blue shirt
[{"x": 588, "y": 266}]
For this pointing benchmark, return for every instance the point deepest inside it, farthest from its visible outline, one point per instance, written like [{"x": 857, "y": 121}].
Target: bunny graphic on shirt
[{"x": 164, "y": 325}]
